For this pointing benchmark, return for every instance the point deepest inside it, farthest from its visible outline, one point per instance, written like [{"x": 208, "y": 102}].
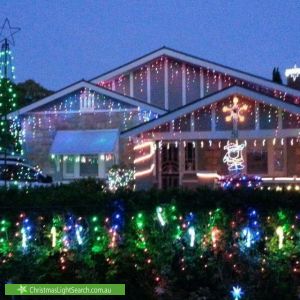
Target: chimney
[{"x": 293, "y": 77}]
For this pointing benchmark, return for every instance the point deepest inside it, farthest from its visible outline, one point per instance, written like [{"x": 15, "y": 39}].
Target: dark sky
[{"x": 64, "y": 41}]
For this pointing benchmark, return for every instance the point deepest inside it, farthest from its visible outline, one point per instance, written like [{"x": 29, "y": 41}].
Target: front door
[{"x": 169, "y": 166}]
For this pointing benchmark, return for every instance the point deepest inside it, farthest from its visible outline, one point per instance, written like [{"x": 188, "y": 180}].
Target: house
[{"x": 172, "y": 116}]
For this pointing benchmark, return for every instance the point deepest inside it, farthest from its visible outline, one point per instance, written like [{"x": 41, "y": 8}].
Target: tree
[
  {"x": 10, "y": 141},
  {"x": 30, "y": 91},
  {"x": 276, "y": 76}
]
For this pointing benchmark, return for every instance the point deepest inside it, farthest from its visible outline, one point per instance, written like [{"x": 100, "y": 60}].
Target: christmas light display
[
  {"x": 235, "y": 111},
  {"x": 120, "y": 178},
  {"x": 293, "y": 72},
  {"x": 78, "y": 231},
  {"x": 237, "y": 292},
  {"x": 280, "y": 233},
  {"x": 4, "y": 245},
  {"x": 160, "y": 216},
  {"x": 140, "y": 148},
  {"x": 240, "y": 181},
  {"x": 251, "y": 233},
  {"x": 220, "y": 236},
  {"x": 192, "y": 234},
  {"x": 53, "y": 236},
  {"x": 234, "y": 157},
  {"x": 11, "y": 142}
]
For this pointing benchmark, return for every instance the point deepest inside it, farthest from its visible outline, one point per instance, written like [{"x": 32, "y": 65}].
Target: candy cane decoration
[
  {"x": 53, "y": 236},
  {"x": 214, "y": 236},
  {"x": 78, "y": 230},
  {"x": 24, "y": 238},
  {"x": 279, "y": 232},
  {"x": 159, "y": 216},
  {"x": 191, "y": 232}
]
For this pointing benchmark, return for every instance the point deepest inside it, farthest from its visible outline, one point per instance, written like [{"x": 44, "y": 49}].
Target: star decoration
[
  {"x": 237, "y": 292},
  {"x": 7, "y": 32}
]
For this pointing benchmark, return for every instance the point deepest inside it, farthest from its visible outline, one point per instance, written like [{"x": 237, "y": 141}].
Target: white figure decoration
[{"x": 234, "y": 157}]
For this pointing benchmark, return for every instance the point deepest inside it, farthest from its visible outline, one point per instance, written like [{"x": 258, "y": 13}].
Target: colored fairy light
[
  {"x": 280, "y": 233},
  {"x": 237, "y": 292},
  {"x": 159, "y": 212},
  {"x": 191, "y": 232},
  {"x": 53, "y": 236}
]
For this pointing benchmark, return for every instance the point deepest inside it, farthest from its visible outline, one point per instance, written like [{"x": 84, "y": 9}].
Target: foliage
[
  {"x": 155, "y": 259},
  {"x": 276, "y": 77},
  {"x": 9, "y": 128},
  {"x": 30, "y": 91}
]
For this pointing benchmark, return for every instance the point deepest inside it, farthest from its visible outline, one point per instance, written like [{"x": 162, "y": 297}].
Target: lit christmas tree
[{"x": 10, "y": 141}]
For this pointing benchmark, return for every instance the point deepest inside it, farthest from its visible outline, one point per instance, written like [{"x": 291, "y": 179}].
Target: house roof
[
  {"x": 182, "y": 56},
  {"x": 208, "y": 100},
  {"x": 85, "y": 84},
  {"x": 72, "y": 142}
]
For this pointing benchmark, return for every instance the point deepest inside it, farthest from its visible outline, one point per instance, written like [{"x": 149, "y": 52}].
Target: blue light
[{"x": 237, "y": 292}]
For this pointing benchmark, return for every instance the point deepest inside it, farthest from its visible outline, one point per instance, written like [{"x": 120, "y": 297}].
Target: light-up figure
[
  {"x": 235, "y": 114},
  {"x": 191, "y": 232},
  {"x": 159, "y": 212},
  {"x": 279, "y": 232},
  {"x": 234, "y": 157}
]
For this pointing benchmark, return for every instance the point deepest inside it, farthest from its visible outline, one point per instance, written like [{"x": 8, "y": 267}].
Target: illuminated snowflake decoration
[
  {"x": 234, "y": 157},
  {"x": 235, "y": 111},
  {"x": 237, "y": 293}
]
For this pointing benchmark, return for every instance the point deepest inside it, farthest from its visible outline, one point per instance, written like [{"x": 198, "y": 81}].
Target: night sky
[{"x": 64, "y": 41}]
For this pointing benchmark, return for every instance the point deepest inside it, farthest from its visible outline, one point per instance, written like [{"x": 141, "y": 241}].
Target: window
[
  {"x": 190, "y": 156},
  {"x": 70, "y": 164},
  {"x": 88, "y": 165},
  {"x": 257, "y": 162}
]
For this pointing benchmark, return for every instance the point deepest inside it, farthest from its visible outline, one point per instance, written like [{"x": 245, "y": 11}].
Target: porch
[{"x": 190, "y": 163}]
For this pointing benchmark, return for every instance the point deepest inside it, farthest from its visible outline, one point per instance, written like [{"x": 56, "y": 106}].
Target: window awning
[{"x": 72, "y": 142}]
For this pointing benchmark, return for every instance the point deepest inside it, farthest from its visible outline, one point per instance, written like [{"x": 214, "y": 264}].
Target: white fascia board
[
  {"x": 234, "y": 90},
  {"x": 227, "y": 135},
  {"x": 85, "y": 84}
]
